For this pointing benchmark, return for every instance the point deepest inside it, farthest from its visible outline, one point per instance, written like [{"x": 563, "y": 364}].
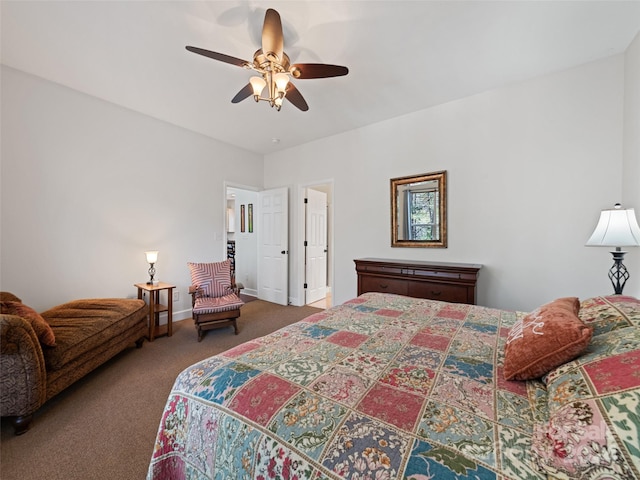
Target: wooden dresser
[{"x": 449, "y": 282}]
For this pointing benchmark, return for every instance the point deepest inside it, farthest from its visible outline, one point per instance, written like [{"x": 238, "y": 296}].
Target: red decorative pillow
[
  {"x": 545, "y": 339},
  {"x": 213, "y": 279},
  {"x": 40, "y": 326}
]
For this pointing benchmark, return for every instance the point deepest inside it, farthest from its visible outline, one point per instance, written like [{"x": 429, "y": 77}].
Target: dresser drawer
[
  {"x": 448, "y": 282},
  {"x": 369, "y": 283},
  {"x": 439, "y": 291}
]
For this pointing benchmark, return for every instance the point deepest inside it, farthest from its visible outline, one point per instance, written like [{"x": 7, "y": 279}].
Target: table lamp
[
  {"x": 616, "y": 228},
  {"x": 152, "y": 258}
]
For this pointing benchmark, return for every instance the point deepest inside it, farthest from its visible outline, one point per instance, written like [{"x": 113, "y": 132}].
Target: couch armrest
[{"x": 23, "y": 376}]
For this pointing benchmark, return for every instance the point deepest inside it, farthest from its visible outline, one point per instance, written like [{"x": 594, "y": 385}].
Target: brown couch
[{"x": 42, "y": 354}]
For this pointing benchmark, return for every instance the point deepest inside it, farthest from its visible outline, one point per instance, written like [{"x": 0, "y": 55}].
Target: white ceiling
[{"x": 402, "y": 56}]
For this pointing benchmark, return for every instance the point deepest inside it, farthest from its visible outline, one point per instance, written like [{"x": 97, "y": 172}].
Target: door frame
[{"x": 298, "y": 289}]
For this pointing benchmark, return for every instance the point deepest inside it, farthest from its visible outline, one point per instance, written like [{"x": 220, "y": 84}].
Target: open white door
[
  {"x": 316, "y": 245},
  {"x": 273, "y": 245}
]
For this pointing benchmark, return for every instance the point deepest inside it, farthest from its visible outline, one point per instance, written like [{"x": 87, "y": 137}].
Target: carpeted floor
[{"x": 104, "y": 426}]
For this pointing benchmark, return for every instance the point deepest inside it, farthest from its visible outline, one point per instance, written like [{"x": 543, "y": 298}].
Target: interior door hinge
[
  {"x": 306, "y": 200},
  {"x": 305, "y": 285},
  {"x": 306, "y": 244}
]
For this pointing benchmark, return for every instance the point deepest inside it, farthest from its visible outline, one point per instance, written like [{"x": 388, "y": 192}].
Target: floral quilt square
[
  {"x": 459, "y": 429},
  {"x": 410, "y": 378},
  {"x": 275, "y": 461},
  {"x": 305, "y": 420},
  {"x": 465, "y": 393},
  {"x": 235, "y": 450},
  {"x": 419, "y": 356},
  {"x": 261, "y": 398},
  {"x": 318, "y": 332},
  {"x": 347, "y": 339},
  {"x": 434, "y": 342},
  {"x": 472, "y": 344},
  {"x": 342, "y": 386},
  {"x": 222, "y": 384},
  {"x": 458, "y": 311},
  {"x": 431, "y": 461},
  {"x": 299, "y": 370},
  {"x": 386, "y": 312},
  {"x": 264, "y": 357},
  {"x": 196, "y": 374},
  {"x": 392, "y": 406},
  {"x": 365, "y": 449},
  {"x": 615, "y": 373},
  {"x": 366, "y": 363},
  {"x": 472, "y": 368},
  {"x": 445, "y": 327}
]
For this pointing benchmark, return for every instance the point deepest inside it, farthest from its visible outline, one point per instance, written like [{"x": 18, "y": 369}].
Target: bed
[{"x": 392, "y": 387}]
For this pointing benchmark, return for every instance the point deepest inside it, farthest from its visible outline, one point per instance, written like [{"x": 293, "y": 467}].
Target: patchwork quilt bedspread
[{"x": 381, "y": 387}]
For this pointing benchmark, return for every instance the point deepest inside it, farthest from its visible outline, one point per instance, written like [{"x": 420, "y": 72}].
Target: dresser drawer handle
[
  {"x": 434, "y": 293},
  {"x": 384, "y": 286}
]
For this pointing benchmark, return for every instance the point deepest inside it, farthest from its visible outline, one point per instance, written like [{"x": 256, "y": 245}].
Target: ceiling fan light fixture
[
  {"x": 274, "y": 68},
  {"x": 257, "y": 84},
  {"x": 282, "y": 80},
  {"x": 278, "y": 102}
]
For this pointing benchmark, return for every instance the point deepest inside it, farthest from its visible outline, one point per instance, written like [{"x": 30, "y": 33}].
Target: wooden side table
[{"x": 155, "y": 308}]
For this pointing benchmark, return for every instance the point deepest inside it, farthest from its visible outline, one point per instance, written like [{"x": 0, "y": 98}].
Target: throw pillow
[
  {"x": 40, "y": 326},
  {"x": 212, "y": 279},
  {"x": 544, "y": 339}
]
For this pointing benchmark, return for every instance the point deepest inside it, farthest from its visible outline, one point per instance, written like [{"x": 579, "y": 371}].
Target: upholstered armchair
[{"x": 215, "y": 297}]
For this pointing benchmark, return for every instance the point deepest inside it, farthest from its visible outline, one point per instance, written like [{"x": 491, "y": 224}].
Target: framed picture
[
  {"x": 251, "y": 218},
  {"x": 242, "y": 218}
]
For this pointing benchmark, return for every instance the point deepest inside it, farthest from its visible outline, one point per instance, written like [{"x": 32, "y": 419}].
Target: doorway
[
  {"x": 241, "y": 245},
  {"x": 257, "y": 241},
  {"x": 317, "y": 261}
]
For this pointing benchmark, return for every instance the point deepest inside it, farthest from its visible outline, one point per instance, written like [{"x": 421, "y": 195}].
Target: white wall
[
  {"x": 529, "y": 168},
  {"x": 88, "y": 186},
  {"x": 631, "y": 165}
]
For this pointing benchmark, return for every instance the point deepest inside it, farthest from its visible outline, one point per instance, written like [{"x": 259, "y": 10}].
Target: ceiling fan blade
[
  {"x": 317, "y": 70},
  {"x": 272, "y": 38},
  {"x": 246, "y": 91},
  {"x": 295, "y": 97},
  {"x": 218, "y": 56}
]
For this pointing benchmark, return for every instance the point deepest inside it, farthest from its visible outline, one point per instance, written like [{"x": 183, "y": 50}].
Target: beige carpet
[{"x": 104, "y": 426}]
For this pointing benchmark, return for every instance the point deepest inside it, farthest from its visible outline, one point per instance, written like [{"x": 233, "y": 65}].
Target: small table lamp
[
  {"x": 152, "y": 258},
  {"x": 616, "y": 228}
]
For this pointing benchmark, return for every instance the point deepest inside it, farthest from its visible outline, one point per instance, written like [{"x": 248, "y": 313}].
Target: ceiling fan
[{"x": 274, "y": 67}]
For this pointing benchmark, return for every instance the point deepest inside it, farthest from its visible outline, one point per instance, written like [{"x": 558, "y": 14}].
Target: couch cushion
[
  {"x": 40, "y": 326},
  {"x": 81, "y": 325},
  {"x": 594, "y": 405},
  {"x": 545, "y": 338}
]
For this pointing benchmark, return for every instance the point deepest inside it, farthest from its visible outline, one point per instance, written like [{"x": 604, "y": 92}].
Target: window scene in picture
[{"x": 421, "y": 212}]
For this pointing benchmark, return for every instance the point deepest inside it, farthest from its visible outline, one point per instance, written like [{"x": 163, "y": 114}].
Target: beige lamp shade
[{"x": 152, "y": 256}]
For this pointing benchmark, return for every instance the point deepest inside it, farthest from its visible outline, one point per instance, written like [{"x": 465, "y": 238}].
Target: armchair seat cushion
[{"x": 204, "y": 305}]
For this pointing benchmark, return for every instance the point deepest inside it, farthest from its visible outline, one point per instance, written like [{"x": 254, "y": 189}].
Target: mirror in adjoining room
[{"x": 419, "y": 210}]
